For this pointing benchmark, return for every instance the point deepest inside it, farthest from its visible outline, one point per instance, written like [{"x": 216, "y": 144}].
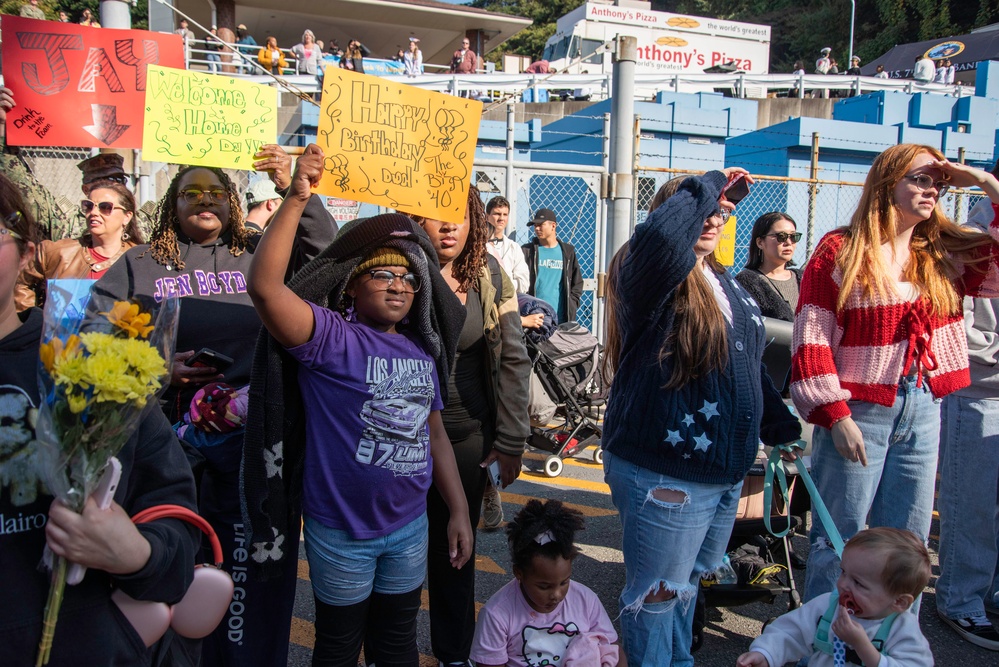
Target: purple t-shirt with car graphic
[{"x": 367, "y": 397}]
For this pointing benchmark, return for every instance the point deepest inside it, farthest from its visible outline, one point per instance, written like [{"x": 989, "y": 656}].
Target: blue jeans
[
  {"x": 214, "y": 62},
  {"x": 969, "y": 522},
  {"x": 667, "y": 545},
  {"x": 895, "y": 489},
  {"x": 344, "y": 571}
]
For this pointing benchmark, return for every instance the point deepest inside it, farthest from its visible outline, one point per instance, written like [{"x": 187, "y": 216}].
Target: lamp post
[{"x": 853, "y": 14}]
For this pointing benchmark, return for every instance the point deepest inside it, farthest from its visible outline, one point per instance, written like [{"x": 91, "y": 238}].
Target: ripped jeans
[{"x": 668, "y": 543}]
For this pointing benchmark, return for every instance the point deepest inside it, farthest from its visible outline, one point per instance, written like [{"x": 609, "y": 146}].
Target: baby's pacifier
[{"x": 847, "y": 602}]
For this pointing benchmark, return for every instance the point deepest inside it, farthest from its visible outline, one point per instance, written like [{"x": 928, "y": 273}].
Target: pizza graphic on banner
[
  {"x": 671, "y": 41},
  {"x": 79, "y": 86},
  {"x": 682, "y": 22}
]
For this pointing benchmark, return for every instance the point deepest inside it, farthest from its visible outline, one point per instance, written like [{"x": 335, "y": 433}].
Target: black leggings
[
  {"x": 452, "y": 592},
  {"x": 385, "y": 624}
]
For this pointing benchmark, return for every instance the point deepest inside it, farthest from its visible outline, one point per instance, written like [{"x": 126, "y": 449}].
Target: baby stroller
[{"x": 567, "y": 367}]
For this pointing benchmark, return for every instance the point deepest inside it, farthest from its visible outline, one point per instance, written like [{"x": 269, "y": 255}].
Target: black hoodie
[
  {"x": 90, "y": 629},
  {"x": 216, "y": 311}
]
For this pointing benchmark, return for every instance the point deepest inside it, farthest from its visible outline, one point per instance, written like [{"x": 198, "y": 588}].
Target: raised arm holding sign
[{"x": 397, "y": 145}]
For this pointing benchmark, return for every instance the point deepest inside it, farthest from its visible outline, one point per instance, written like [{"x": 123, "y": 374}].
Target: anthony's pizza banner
[{"x": 79, "y": 86}]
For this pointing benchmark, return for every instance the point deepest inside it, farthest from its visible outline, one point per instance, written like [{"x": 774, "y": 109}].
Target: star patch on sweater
[{"x": 702, "y": 443}]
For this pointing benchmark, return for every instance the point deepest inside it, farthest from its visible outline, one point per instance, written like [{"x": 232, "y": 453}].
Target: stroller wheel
[
  {"x": 598, "y": 456},
  {"x": 553, "y": 466}
]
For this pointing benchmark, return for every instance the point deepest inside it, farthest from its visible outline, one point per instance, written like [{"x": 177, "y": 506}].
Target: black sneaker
[{"x": 975, "y": 629}]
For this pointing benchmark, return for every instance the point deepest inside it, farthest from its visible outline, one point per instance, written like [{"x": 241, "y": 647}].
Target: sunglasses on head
[
  {"x": 783, "y": 237},
  {"x": 104, "y": 207}
]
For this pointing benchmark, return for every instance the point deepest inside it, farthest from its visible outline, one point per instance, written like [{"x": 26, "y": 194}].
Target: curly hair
[
  {"x": 163, "y": 244},
  {"x": 467, "y": 265},
  {"x": 543, "y": 529}
]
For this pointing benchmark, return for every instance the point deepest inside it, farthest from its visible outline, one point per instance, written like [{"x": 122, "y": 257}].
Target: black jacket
[
  {"x": 572, "y": 279},
  {"x": 90, "y": 629},
  {"x": 770, "y": 301}
]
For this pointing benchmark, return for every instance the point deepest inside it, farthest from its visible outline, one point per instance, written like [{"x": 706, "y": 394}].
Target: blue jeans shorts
[{"x": 344, "y": 570}]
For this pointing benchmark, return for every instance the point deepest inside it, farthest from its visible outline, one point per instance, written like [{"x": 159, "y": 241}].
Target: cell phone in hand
[
  {"x": 736, "y": 189},
  {"x": 208, "y": 358},
  {"x": 493, "y": 470}
]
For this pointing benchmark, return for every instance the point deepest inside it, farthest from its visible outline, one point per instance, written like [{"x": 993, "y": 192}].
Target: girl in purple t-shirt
[
  {"x": 374, "y": 441},
  {"x": 542, "y": 617}
]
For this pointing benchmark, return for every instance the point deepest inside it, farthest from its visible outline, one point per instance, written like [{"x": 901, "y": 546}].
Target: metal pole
[
  {"x": 853, "y": 15},
  {"x": 116, "y": 14},
  {"x": 813, "y": 191},
  {"x": 511, "y": 189},
  {"x": 959, "y": 197},
  {"x": 602, "y": 241},
  {"x": 620, "y": 180}
]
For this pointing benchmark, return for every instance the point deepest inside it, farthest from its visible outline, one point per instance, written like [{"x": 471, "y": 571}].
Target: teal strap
[
  {"x": 775, "y": 470},
  {"x": 881, "y": 638}
]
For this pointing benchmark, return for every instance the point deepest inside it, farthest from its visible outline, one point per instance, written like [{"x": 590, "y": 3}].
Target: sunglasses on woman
[
  {"x": 385, "y": 278},
  {"x": 195, "y": 196},
  {"x": 104, "y": 207},
  {"x": 924, "y": 182},
  {"x": 783, "y": 237}
]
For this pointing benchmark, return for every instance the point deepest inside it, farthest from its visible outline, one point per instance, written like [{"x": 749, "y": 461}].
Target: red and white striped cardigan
[{"x": 862, "y": 351}]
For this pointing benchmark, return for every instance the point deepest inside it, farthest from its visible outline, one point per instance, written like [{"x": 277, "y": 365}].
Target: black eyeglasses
[
  {"x": 104, "y": 207},
  {"x": 783, "y": 237},
  {"x": 385, "y": 279},
  {"x": 924, "y": 182},
  {"x": 195, "y": 196}
]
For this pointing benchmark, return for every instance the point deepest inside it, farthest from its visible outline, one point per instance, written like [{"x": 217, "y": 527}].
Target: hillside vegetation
[{"x": 800, "y": 29}]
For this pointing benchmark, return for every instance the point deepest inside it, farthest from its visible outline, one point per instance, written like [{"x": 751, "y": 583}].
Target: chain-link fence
[
  {"x": 817, "y": 207},
  {"x": 575, "y": 199}
]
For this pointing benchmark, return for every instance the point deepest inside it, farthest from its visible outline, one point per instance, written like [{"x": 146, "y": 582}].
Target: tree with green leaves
[{"x": 140, "y": 11}]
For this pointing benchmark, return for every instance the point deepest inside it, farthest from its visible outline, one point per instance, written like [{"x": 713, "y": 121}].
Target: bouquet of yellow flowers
[{"x": 99, "y": 368}]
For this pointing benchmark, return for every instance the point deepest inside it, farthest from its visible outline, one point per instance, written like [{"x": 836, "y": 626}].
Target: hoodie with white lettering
[
  {"x": 90, "y": 629},
  {"x": 215, "y": 311}
]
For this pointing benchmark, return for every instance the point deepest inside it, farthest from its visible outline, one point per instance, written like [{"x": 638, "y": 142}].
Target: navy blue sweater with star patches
[{"x": 708, "y": 430}]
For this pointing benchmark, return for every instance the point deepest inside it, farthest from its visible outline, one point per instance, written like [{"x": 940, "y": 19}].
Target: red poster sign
[{"x": 80, "y": 86}]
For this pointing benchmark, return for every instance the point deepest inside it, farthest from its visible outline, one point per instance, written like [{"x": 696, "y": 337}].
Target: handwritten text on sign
[
  {"x": 79, "y": 86},
  {"x": 397, "y": 145},
  {"x": 207, "y": 119}
]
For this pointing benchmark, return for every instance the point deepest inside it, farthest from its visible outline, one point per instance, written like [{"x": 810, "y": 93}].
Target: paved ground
[{"x": 600, "y": 566}]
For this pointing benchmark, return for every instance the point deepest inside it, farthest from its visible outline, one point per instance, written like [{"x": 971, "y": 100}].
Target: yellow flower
[
  {"x": 127, "y": 317},
  {"x": 56, "y": 350},
  {"x": 77, "y": 403}
]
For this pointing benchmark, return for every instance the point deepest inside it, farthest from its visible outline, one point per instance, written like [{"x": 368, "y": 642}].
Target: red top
[{"x": 862, "y": 351}]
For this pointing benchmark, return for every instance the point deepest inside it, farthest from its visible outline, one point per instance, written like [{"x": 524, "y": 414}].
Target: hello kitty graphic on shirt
[{"x": 545, "y": 647}]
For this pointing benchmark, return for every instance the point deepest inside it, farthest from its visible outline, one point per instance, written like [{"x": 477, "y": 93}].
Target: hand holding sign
[
  {"x": 308, "y": 171},
  {"x": 396, "y": 145}
]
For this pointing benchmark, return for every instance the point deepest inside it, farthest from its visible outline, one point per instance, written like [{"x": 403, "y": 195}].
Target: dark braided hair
[
  {"x": 469, "y": 263},
  {"x": 164, "y": 246},
  {"x": 537, "y": 519}
]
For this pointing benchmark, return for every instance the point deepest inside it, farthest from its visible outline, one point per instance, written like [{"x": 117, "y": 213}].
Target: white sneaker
[{"x": 492, "y": 508}]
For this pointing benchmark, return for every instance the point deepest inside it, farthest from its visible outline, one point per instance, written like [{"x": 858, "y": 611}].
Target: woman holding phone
[{"x": 689, "y": 404}]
